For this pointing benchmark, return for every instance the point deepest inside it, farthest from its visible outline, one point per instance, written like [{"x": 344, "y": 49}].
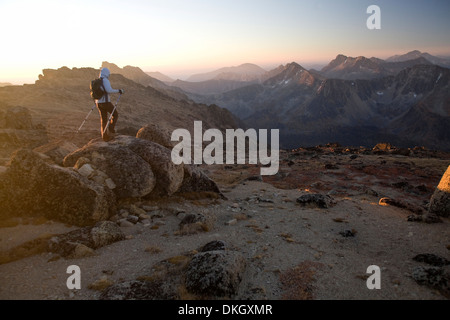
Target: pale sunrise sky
[{"x": 182, "y": 37}]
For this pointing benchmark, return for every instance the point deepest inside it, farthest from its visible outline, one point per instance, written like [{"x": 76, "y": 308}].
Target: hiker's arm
[{"x": 108, "y": 87}]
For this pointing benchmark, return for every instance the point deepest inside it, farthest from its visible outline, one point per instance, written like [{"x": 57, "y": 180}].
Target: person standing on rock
[{"x": 105, "y": 106}]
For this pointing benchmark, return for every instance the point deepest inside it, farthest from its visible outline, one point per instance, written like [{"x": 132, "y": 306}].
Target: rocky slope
[{"x": 59, "y": 101}]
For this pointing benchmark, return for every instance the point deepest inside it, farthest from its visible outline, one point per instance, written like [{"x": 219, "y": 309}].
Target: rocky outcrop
[
  {"x": 316, "y": 200},
  {"x": 215, "y": 273},
  {"x": 440, "y": 201},
  {"x": 137, "y": 167},
  {"x": 33, "y": 186},
  {"x": 74, "y": 243},
  {"x": 195, "y": 180},
  {"x": 132, "y": 175}
]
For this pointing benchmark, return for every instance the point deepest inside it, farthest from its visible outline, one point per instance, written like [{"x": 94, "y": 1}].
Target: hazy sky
[{"x": 180, "y": 37}]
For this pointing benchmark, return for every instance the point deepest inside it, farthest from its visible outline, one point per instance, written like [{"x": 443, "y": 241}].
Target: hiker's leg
[
  {"x": 114, "y": 118},
  {"x": 103, "y": 115}
]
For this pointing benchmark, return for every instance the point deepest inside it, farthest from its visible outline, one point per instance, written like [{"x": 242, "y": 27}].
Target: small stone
[
  {"x": 98, "y": 179},
  {"x": 110, "y": 184},
  {"x": 347, "y": 233},
  {"x": 150, "y": 208},
  {"x": 146, "y": 222},
  {"x": 317, "y": 200},
  {"x": 133, "y": 219},
  {"x": 231, "y": 222},
  {"x": 86, "y": 170},
  {"x": 235, "y": 205},
  {"x": 81, "y": 251},
  {"x": 144, "y": 216},
  {"x": 125, "y": 223},
  {"x": 123, "y": 213},
  {"x": 134, "y": 210}
]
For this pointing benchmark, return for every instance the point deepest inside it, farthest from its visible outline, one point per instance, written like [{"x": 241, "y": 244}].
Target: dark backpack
[{"x": 97, "y": 89}]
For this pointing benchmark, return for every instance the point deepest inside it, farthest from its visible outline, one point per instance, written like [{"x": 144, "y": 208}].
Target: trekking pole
[
  {"x": 110, "y": 116},
  {"x": 85, "y": 119}
]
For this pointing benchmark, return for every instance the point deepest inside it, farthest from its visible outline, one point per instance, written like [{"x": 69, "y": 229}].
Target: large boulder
[
  {"x": 137, "y": 167},
  {"x": 132, "y": 175},
  {"x": 157, "y": 134},
  {"x": 440, "y": 201},
  {"x": 33, "y": 186},
  {"x": 169, "y": 176},
  {"x": 215, "y": 273},
  {"x": 195, "y": 180}
]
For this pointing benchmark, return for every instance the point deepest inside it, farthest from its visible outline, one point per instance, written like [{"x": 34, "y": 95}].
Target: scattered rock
[
  {"x": 432, "y": 259},
  {"x": 317, "y": 200},
  {"x": 86, "y": 170},
  {"x": 105, "y": 233},
  {"x": 348, "y": 233},
  {"x": 214, "y": 246},
  {"x": 440, "y": 201},
  {"x": 427, "y": 218},
  {"x": 102, "y": 234},
  {"x": 81, "y": 251},
  {"x": 434, "y": 277},
  {"x": 195, "y": 222},
  {"x": 34, "y": 187},
  {"x": 125, "y": 223},
  {"x": 133, "y": 219},
  {"x": 215, "y": 273},
  {"x": 195, "y": 180}
]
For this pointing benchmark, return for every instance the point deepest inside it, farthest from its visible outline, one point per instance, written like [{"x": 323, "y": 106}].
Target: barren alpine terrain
[{"x": 287, "y": 250}]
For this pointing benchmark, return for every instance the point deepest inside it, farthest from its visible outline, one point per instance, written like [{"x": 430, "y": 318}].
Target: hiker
[{"x": 105, "y": 106}]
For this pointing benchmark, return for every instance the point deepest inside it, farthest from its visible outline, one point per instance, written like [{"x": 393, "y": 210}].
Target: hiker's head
[{"x": 104, "y": 73}]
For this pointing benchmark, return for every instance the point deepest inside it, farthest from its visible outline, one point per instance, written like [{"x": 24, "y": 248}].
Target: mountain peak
[{"x": 243, "y": 72}]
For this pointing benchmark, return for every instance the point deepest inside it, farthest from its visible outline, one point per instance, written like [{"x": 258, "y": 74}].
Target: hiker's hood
[{"x": 104, "y": 73}]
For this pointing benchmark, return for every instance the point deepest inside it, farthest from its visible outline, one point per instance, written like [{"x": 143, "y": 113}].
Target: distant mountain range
[
  {"x": 245, "y": 72},
  {"x": 443, "y": 62},
  {"x": 404, "y": 100},
  {"x": 349, "y": 68},
  {"x": 407, "y": 108},
  {"x": 161, "y": 77}
]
